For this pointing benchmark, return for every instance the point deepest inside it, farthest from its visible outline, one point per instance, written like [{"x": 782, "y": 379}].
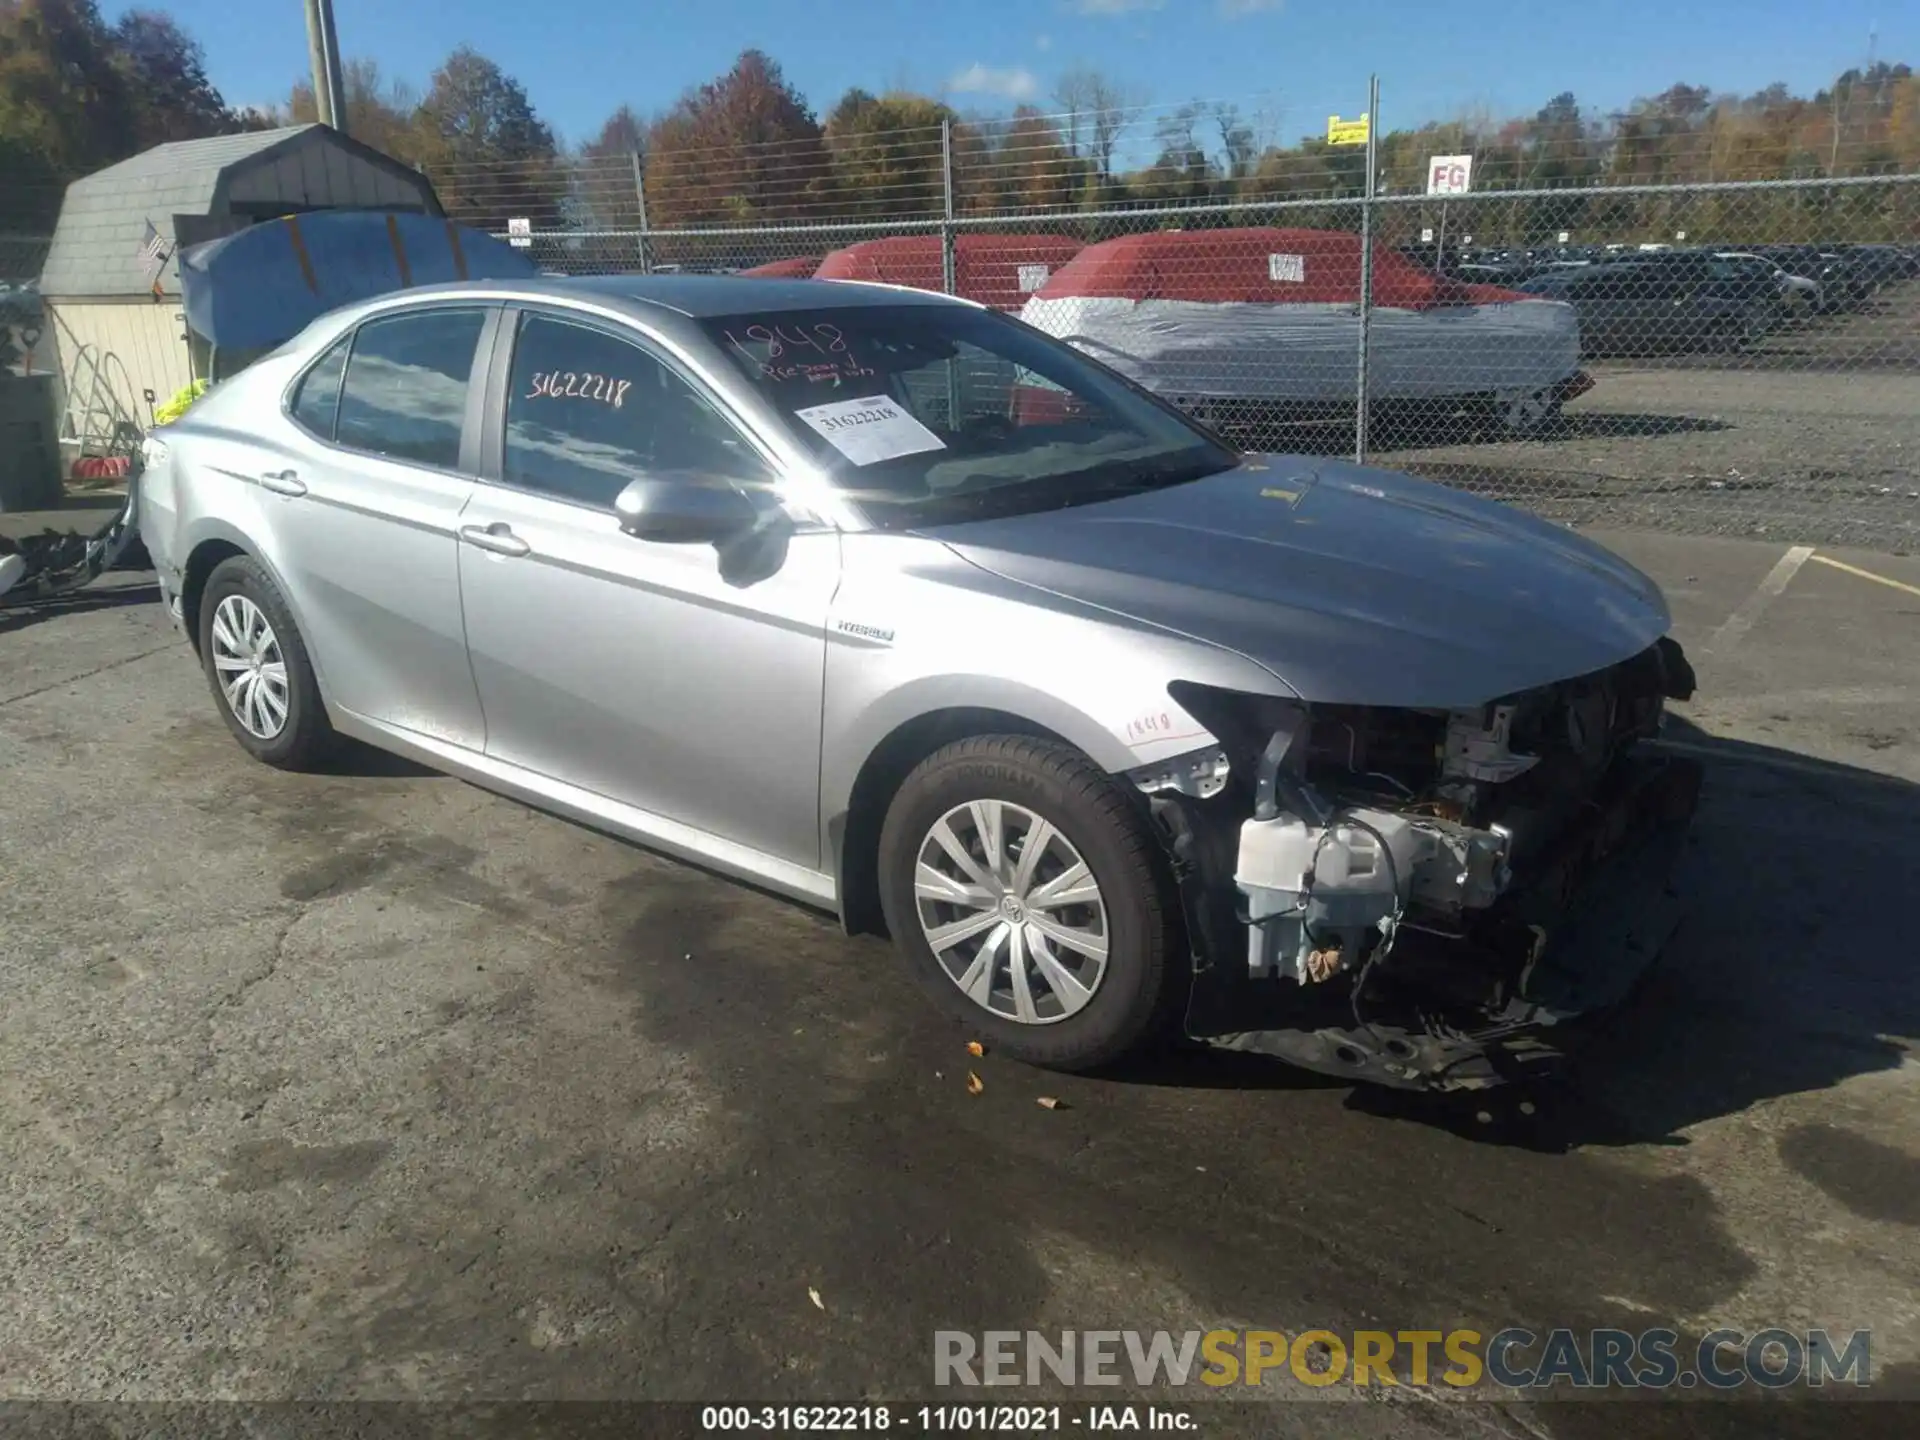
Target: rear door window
[{"x": 405, "y": 391}]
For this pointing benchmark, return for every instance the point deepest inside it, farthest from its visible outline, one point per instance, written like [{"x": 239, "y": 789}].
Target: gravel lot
[
  {"x": 1812, "y": 436},
  {"x": 372, "y": 1085}
]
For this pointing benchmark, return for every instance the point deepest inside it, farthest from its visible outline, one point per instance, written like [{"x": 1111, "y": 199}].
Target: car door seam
[
  {"x": 823, "y": 853},
  {"x": 466, "y": 630}
]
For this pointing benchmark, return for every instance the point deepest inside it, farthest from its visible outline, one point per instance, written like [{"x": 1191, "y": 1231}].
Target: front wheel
[{"x": 1028, "y": 894}]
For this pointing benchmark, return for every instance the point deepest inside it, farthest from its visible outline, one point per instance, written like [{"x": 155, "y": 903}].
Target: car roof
[
  {"x": 693, "y": 296},
  {"x": 704, "y": 295}
]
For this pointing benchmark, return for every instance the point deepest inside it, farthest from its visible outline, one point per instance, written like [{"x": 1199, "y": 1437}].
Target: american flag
[{"x": 153, "y": 252}]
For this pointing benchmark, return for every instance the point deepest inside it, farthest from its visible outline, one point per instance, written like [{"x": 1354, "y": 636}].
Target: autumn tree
[
  {"x": 1095, "y": 111},
  {"x": 1234, "y": 133},
  {"x": 77, "y": 94},
  {"x": 1033, "y": 166},
  {"x": 380, "y": 110},
  {"x": 1651, "y": 143},
  {"x": 490, "y": 156},
  {"x": 63, "y": 100},
  {"x": 164, "y": 72},
  {"x": 742, "y": 147},
  {"x": 886, "y": 153},
  {"x": 1181, "y": 169},
  {"x": 603, "y": 173}
]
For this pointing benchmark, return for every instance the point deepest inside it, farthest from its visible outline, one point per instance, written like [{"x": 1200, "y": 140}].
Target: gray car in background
[{"x": 891, "y": 604}]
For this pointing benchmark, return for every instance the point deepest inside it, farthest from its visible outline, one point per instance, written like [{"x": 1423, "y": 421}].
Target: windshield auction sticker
[{"x": 870, "y": 430}]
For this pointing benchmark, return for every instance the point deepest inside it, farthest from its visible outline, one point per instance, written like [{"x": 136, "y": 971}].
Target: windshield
[{"x": 923, "y": 414}]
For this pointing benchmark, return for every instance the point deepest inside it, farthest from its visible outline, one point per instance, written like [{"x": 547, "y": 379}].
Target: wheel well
[
  {"x": 206, "y": 555},
  {"x": 892, "y": 760}
]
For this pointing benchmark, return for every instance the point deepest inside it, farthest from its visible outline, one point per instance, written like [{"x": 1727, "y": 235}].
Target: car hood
[{"x": 1353, "y": 585}]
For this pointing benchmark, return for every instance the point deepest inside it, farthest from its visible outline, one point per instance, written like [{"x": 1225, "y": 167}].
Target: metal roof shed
[
  {"x": 228, "y": 180},
  {"x": 110, "y": 329}
]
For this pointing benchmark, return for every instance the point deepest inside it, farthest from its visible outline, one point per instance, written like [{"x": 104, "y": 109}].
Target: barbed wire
[{"x": 1043, "y": 164}]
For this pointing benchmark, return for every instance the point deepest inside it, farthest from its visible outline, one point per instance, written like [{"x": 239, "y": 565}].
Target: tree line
[
  {"x": 748, "y": 148},
  {"x": 77, "y": 94}
]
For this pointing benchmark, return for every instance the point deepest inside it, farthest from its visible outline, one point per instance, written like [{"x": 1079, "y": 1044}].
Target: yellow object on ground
[{"x": 177, "y": 406}]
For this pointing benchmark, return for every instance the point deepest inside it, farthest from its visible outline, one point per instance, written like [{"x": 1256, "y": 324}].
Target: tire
[
  {"x": 240, "y": 586},
  {"x": 1141, "y": 979},
  {"x": 1521, "y": 417}
]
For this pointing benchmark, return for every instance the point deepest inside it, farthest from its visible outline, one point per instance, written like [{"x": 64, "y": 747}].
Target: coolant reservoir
[
  {"x": 1356, "y": 882},
  {"x": 1277, "y": 854}
]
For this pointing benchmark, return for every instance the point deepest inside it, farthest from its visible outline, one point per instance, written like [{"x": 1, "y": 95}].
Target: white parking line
[
  {"x": 1764, "y": 594},
  {"x": 1855, "y": 570}
]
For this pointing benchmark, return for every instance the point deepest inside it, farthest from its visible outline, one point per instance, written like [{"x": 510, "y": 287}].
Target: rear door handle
[
  {"x": 283, "y": 482},
  {"x": 495, "y": 539}
]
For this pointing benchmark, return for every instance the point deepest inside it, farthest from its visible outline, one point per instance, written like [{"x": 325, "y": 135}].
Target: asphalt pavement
[{"x": 372, "y": 1085}]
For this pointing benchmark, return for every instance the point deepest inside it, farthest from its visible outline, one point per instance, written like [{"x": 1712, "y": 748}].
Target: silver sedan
[{"x": 892, "y": 604}]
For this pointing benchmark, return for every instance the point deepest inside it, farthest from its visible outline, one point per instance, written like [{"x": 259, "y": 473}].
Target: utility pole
[
  {"x": 323, "y": 53},
  {"x": 1363, "y": 378}
]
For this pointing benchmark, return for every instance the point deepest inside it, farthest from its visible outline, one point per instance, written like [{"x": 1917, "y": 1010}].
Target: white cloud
[
  {"x": 1115, "y": 7},
  {"x": 1240, "y": 9},
  {"x": 1014, "y": 84}
]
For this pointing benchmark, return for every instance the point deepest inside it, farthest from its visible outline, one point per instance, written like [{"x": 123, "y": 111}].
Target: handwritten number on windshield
[
  {"x": 764, "y": 343},
  {"x": 578, "y": 385}
]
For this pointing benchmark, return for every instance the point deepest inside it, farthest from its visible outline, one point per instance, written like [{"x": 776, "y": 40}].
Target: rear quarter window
[{"x": 316, "y": 398}]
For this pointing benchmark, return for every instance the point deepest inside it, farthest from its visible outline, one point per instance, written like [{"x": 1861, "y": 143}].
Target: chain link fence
[{"x": 1696, "y": 330}]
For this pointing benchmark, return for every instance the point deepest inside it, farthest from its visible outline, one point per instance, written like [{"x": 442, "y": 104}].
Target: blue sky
[{"x": 1294, "y": 61}]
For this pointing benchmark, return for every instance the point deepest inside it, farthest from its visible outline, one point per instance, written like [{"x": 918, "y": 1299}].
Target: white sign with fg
[
  {"x": 871, "y": 429},
  {"x": 1449, "y": 174}
]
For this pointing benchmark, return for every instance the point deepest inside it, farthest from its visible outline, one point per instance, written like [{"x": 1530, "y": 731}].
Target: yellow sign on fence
[{"x": 1347, "y": 132}]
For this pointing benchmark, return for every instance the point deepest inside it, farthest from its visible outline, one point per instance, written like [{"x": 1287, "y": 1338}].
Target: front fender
[{"x": 916, "y": 633}]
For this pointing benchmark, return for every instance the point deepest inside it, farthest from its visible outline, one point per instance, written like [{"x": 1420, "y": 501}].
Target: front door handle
[
  {"x": 283, "y": 482},
  {"x": 496, "y": 539}
]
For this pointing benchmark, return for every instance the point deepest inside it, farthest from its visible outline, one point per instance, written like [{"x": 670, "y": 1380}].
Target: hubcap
[
  {"x": 251, "y": 671},
  {"x": 1012, "y": 912},
  {"x": 1526, "y": 412}
]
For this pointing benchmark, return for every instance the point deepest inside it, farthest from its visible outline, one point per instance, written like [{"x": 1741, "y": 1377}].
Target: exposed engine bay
[{"x": 1415, "y": 897}]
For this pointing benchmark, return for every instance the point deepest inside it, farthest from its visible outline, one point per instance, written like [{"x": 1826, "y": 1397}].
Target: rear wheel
[
  {"x": 257, "y": 664},
  {"x": 1523, "y": 415},
  {"x": 1028, "y": 895}
]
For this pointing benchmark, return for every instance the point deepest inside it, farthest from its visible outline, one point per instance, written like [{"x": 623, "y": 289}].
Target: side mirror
[{"x": 683, "y": 512}]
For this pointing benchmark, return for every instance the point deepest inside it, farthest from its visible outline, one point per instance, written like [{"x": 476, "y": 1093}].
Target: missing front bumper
[{"x": 1455, "y": 1012}]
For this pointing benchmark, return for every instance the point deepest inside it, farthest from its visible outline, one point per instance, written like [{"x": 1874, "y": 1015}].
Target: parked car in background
[
  {"x": 1799, "y": 296},
  {"x": 793, "y": 267},
  {"x": 1000, "y": 270},
  {"x": 1255, "y": 328},
  {"x": 1845, "y": 279},
  {"x": 1117, "y": 731},
  {"x": 1665, "y": 302},
  {"x": 1880, "y": 264}
]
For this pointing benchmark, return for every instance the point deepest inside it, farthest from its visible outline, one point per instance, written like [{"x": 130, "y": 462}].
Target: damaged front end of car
[{"x": 1425, "y": 899}]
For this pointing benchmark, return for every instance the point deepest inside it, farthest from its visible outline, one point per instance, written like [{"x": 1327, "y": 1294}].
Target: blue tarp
[{"x": 261, "y": 286}]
